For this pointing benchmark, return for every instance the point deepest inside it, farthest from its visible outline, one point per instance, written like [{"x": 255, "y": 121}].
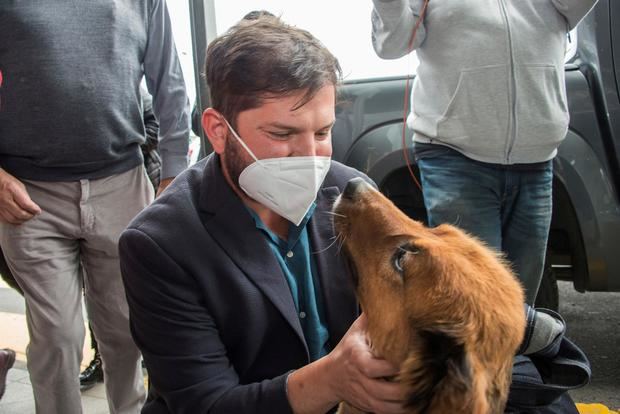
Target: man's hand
[
  {"x": 358, "y": 376},
  {"x": 16, "y": 207},
  {"x": 349, "y": 373},
  {"x": 165, "y": 182}
]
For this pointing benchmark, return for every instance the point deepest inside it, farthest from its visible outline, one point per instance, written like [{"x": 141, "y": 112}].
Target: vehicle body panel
[{"x": 585, "y": 230}]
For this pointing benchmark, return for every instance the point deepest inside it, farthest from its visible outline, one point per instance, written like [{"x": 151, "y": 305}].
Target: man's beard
[{"x": 234, "y": 161}]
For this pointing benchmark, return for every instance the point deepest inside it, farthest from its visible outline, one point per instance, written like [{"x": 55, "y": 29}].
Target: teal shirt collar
[{"x": 297, "y": 264}]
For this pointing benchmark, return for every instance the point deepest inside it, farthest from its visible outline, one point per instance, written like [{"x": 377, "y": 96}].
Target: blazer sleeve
[
  {"x": 392, "y": 25},
  {"x": 186, "y": 359}
]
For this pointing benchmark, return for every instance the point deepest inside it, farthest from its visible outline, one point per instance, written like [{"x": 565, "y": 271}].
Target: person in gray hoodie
[{"x": 488, "y": 111}]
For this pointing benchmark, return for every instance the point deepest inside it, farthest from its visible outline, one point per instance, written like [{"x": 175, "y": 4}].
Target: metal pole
[{"x": 203, "y": 26}]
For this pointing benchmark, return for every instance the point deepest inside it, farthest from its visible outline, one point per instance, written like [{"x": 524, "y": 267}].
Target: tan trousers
[{"x": 81, "y": 223}]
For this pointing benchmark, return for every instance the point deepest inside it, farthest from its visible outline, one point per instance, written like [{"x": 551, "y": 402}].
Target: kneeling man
[{"x": 239, "y": 299}]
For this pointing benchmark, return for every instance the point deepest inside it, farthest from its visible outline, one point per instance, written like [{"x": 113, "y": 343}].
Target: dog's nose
[{"x": 353, "y": 187}]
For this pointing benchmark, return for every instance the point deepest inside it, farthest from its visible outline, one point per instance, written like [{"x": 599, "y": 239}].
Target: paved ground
[
  {"x": 593, "y": 323},
  {"x": 18, "y": 397}
]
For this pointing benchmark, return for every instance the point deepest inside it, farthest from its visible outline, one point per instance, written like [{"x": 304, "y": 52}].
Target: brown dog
[{"x": 440, "y": 305}]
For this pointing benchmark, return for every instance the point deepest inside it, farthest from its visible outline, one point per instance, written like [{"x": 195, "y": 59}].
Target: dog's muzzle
[{"x": 355, "y": 186}]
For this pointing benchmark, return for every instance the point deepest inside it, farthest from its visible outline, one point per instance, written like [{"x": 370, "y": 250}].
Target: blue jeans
[{"x": 507, "y": 207}]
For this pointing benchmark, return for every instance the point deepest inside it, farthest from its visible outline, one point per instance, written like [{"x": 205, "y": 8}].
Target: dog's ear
[{"x": 439, "y": 367}]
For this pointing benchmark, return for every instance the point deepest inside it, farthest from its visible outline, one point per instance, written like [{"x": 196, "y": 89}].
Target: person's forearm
[
  {"x": 392, "y": 23},
  {"x": 309, "y": 389},
  {"x": 164, "y": 79}
]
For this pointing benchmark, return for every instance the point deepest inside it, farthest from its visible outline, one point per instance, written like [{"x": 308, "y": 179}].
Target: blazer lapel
[
  {"x": 337, "y": 287},
  {"x": 226, "y": 218}
]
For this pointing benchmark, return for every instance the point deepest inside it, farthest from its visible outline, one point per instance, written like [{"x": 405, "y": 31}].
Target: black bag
[{"x": 540, "y": 381}]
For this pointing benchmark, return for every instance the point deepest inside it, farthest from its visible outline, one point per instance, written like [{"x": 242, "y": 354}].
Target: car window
[
  {"x": 349, "y": 39},
  {"x": 180, "y": 21}
]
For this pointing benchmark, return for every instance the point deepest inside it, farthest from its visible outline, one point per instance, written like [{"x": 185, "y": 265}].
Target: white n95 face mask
[{"x": 286, "y": 185}]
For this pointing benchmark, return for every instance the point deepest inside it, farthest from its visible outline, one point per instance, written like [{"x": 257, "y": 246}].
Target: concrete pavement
[{"x": 18, "y": 397}]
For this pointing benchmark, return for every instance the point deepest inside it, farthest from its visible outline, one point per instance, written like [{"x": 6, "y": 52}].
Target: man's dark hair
[
  {"x": 266, "y": 58},
  {"x": 257, "y": 14}
]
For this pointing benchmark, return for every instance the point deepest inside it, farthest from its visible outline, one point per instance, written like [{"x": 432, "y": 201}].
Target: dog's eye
[
  {"x": 398, "y": 259},
  {"x": 400, "y": 253}
]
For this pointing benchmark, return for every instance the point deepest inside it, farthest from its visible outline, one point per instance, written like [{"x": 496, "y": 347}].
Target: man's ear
[{"x": 215, "y": 128}]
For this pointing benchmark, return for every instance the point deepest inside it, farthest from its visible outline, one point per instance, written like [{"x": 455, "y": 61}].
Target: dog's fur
[{"x": 452, "y": 319}]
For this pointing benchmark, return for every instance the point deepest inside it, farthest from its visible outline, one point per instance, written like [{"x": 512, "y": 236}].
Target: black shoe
[
  {"x": 92, "y": 374},
  {"x": 7, "y": 358}
]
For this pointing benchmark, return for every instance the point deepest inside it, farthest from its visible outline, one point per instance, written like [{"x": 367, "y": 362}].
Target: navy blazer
[{"x": 210, "y": 308}]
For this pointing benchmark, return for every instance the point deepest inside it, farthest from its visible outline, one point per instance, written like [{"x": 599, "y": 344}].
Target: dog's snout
[{"x": 354, "y": 186}]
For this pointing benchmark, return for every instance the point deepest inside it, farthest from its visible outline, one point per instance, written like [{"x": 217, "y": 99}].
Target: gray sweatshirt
[
  {"x": 491, "y": 78},
  {"x": 70, "y": 105}
]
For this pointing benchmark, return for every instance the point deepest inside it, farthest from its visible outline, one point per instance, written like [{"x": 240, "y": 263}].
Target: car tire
[{"x": 548, "y": 294}]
